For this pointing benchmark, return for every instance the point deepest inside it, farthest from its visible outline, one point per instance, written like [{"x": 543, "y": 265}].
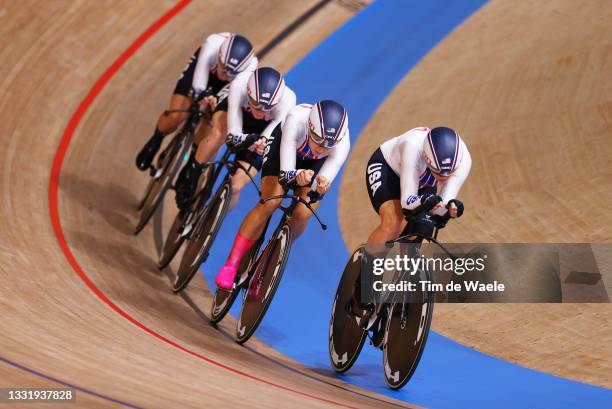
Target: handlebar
[
  {"x": 193, "y": 109},
  {"x": 424, "y": 237},
  {"x": 298, "y": 199},
  {"x": 248, "y": 141}
]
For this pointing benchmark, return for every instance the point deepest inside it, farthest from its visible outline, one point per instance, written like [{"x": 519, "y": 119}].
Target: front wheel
[
  {"x": 267, "y": 273},
  {"x": 162, "y": 179},
  {"x": 203, "y": 236},
  {"x": 346, "y": 337},
  {"x": 405, "y": 337}
]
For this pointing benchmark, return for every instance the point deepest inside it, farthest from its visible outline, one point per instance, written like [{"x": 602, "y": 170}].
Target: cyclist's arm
[
  {"x": 336, "y": 159},
  {"x": 451, "y": 188},
  {"x": 206, "y": 61},
  {"x": 409, "y": 178},
  {"x": 235, "y": 99},
  {"x": 292, "y": 128}
]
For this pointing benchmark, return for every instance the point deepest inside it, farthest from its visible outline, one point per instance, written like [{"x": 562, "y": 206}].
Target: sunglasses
[
  {"x": 317, "y": 139},
  {"x": 439, "y": 174},
  {"x": 257, "y": 106},
  {"x": 226, "y": 70}
]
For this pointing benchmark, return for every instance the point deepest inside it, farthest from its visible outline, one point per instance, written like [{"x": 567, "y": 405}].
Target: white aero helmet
[
  {"x": 235, "y": 55},
  {"x": 327, "y": 123},
  {"x": 442, "y": 150},
  {"x": 265, "y": 88}
]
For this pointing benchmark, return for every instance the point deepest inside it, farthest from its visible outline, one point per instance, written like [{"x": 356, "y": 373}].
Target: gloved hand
[
  {"x": 235, "y": 139},
  {"x": 259, "y": 146},
  {"x": 429, "y": 201},
  {"x": 304, "y": 177},
  {"x": 458, "y": 208}
]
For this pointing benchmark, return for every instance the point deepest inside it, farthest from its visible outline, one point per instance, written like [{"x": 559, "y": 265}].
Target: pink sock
[
  {"x": 225, "y": 277},
  {"x": 241, "y": 246}
]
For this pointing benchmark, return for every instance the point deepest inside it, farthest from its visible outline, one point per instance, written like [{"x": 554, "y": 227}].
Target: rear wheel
[
  {"x": 267, "y": 273},
  {"x": 203, "y": 236},
  {"x": 177, "y": 234},
  {"x": 406, "y": 335},
  {"x": 346, "y": 337},
  {"x": 162, "y": 179}
]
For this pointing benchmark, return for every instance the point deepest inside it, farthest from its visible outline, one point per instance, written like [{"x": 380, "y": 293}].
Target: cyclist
[
  {"x": 306, "y": 153},
  {"x": 256, "y": 105},
  {"x": 403, "y": 177},
  {"x": 211, "y": 68}
]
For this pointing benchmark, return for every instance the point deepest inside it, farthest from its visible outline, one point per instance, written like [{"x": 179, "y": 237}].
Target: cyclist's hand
[
  {"x": 304, "y": 177},
  {"x": 259, "y": 146},
  {"x": 429, "y": 201},
  {"x": 234, "y": 140},
  {"x": 211, "y": 101},
  {"x": 322, "y": 185},
  {"x": 455, "y": 208}
]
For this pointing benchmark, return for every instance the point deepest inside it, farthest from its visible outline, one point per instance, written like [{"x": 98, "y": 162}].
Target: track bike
[
  {"x": 168, "y": 164},
  {"x": 398, "y": 327},
  {"x": 200, "y": 224},
  {"x": 264, "y": 271}
]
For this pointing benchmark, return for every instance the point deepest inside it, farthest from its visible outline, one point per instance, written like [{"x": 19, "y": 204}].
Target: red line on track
[{"x": 58, "y": 160}]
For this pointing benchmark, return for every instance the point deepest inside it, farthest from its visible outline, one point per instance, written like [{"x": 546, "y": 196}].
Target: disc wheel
[
  {"x": 346, "y": 337},
  {"x": 267, "y": 273},
  {"x": 405, "y": 337}
]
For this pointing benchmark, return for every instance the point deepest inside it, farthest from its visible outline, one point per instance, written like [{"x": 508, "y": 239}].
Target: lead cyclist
[{"x": 416, "y": 175}]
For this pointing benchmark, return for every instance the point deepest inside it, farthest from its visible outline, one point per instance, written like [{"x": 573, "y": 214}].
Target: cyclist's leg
[
  {"x": 391, "y": 222},
  {"x": 220, "y": 89},
  {"x": 203, "y": 129},
  {"x": 213, "y": 140},
  {"x": 383, "y": 187},
  {"x": 255, "y": 221},
  {"x": 240, "y": 180},
  {"x": 252, "y": 162},
  {"x": 181, "y": 99},
  {"x": 251, "y": 228},
  {"x": 169, "y": 123},
  {"x": 187, "y": 180}
]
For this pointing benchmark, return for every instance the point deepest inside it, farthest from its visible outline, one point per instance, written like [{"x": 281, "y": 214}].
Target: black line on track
[{"x": 291, "y": 28}]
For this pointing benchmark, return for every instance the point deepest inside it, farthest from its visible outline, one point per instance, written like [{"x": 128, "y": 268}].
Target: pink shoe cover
[{"x": 225, "y": 277}]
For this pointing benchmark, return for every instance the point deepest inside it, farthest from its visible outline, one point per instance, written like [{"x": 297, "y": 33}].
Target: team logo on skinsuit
[
  {"x": 267, "y": 149},
  {"x": 374, "y": 175}
]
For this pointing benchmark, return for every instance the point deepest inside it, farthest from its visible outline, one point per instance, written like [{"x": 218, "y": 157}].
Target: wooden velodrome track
[{"x": 51, "y": 321}]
